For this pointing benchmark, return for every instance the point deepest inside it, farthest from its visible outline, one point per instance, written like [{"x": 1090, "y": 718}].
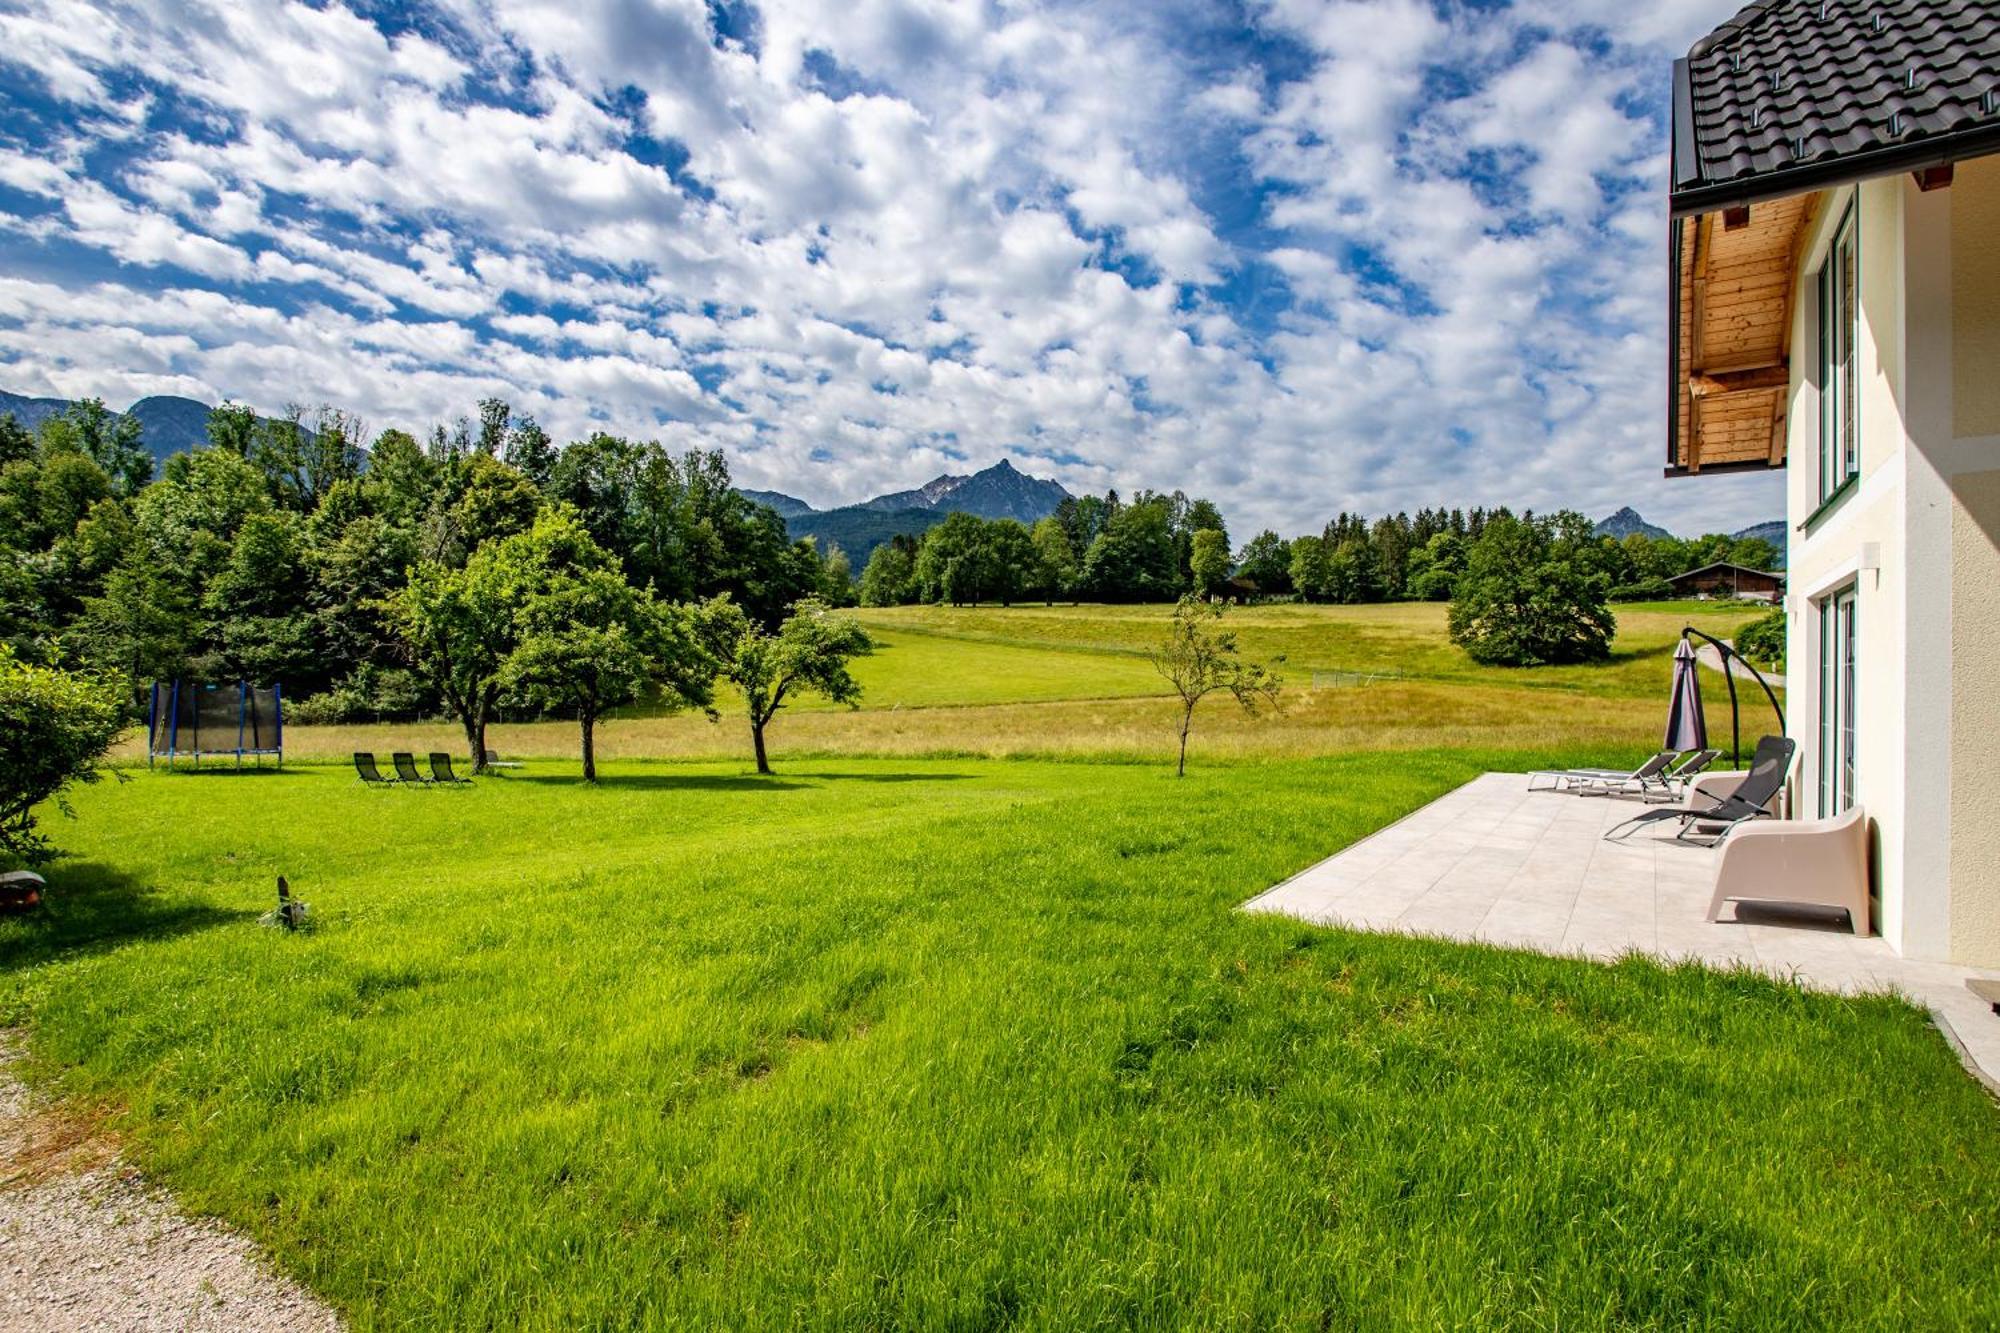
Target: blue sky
[{"x": 1295, "y": 256}]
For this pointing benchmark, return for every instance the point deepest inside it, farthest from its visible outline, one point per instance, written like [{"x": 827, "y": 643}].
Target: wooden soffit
[{"x": 1737, "y": 284}]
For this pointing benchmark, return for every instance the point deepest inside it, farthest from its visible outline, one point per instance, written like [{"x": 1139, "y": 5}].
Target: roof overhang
[
  {"x": 1735, "y": 280},
  {"x": 1690, "y": 197}
]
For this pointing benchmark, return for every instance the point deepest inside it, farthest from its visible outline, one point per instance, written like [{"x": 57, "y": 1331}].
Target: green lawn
[{"x": 961, "y": 1043}]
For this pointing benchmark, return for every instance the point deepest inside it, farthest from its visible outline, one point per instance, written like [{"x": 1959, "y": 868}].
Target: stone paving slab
[{"x": 1497, "y": 863}]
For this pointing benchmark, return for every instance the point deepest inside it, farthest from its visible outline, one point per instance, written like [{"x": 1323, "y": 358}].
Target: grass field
[
  {"x": 934, "y": 1043},
  {"x": 922, "y": 1038},
  {"x": 1066, "y": 682}
]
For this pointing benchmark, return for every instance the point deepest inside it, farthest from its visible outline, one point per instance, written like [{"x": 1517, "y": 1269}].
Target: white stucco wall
[
  {"x": 1864, "y": 528},
  {"x": 1919, "y": 537},
  {"x": 1975, "y": 564}
]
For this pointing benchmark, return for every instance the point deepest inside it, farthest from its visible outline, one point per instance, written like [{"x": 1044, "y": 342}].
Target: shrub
[
  {"x": 1532, "y": 595},
  {"x": 1762, "y": 641},
  {"x": 54, "y": 727},
  {"x": 1642, "y": 590}
]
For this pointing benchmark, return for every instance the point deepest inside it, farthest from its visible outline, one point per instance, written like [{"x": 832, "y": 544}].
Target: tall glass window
[
  {"x": 1839, "y": 335},
  {"x": 1836, "y": 702}
]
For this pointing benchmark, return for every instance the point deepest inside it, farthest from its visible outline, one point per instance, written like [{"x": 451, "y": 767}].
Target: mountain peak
[
  {"x": 999, "y": 491},
  {"x": 1626, "y": 522}
]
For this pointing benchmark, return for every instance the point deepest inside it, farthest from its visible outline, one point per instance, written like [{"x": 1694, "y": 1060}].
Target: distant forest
[
  {"x": 1156, "y": 546},
  {"x": 276, "y": 552}
]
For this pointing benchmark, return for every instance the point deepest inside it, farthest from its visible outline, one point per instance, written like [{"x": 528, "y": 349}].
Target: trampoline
[{"x": 197, "y": 722}]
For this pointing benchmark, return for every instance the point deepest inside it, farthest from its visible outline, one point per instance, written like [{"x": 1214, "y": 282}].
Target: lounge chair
[
  {"x": 1822, "y": 862},
  {"x": 1691, "y": 766},
  {"x": 364, "y": 768},
  {"x": 441, "y": 769},
  {"x": 493, "y": 760},
  {"x": 1645, "y": 777},
  {"x": 1713, "y": 817},
  {"x": 406, "y": 768}
]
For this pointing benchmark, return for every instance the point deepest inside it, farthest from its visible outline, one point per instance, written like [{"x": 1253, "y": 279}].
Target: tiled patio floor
[{"x": 1495, "y": 862}]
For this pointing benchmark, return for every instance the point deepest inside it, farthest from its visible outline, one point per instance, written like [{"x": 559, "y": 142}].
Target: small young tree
[
  {"x": 1200, "y": 658},
  {"x": 54, "y": 727},
  {"x": 809, "y": 654}
]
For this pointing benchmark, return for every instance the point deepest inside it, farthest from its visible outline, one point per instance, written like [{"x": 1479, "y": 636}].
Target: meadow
[
  {"x": 1074, "y": 682},
  {"x": 928, "y": 1038}
]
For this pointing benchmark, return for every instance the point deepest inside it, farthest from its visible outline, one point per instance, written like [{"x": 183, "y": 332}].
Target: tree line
[
  {"x": 1154, "y": 547},
  {"x": 478, "y": 567},
  {"x": 1158, "y": 546}
]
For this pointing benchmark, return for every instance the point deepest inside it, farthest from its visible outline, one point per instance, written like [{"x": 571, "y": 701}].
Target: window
[
  {"x": 1836, "y": 703},
  {"x": 1839, "y": 334}
]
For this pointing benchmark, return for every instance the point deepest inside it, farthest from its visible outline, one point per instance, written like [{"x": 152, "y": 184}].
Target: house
[
  {"x": 1723, "y": 579},
  {"x": 1835, "y": 278}
]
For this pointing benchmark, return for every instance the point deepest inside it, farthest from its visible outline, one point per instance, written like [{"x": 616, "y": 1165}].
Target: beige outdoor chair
[{"x": 1821, "y": 862}]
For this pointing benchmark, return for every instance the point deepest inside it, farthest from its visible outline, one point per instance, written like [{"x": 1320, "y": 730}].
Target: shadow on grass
[
  {"x": 663, "y": 782},
  {"x": 887, "y": 777},
  {"x": 91, "y": 908},
  {"x": 218, "y": 772}
]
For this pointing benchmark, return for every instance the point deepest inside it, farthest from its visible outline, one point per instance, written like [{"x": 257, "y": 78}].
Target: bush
[
  {"x": 1762, "y": 641},
  {"x": 362, "y": 695},
  {"x": 1532, "y": 595},
  {"x": 1643, "y": 590},
  {"x": 54, "y": 727}
]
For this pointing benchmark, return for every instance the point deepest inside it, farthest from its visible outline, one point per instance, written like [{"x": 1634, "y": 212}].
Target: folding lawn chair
[
  {"x": 441, "y": 769},
  {"x": 1769, "y": 767},
  {"x": 406, "y": 768},
  {"x": 364, "y": 768}
]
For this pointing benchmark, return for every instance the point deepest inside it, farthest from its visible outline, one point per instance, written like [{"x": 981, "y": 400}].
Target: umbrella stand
[{"x": 1735, "y": 717}]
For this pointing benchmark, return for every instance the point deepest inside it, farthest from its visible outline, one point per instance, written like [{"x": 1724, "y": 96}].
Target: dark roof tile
[{"x": 1787, "y": 83}]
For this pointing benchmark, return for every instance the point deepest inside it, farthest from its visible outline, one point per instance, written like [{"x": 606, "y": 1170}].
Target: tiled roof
[{"x": 1792, "y": 93}]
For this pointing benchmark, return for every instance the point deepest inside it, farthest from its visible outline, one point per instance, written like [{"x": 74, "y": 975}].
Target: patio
[{"x": 1496, "y": 863}]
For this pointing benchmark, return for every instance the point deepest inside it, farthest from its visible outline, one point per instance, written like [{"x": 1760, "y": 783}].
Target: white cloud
[{"x": 881, "y": 233}]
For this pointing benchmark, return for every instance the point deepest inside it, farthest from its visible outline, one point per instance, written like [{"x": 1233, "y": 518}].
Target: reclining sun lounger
[
  {"x": 406, "y": 768},
  {"x": 441, "y": 770},
  {"x": 1690, "y": 767},
  {"x": 493, "y": 760},
  {"x": 1647, "y": 775},
  {"x": 1713, "y": 818},
  {"x": 364, "y": 768}
]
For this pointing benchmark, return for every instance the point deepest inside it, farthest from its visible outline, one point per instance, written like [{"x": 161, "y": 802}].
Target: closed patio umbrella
[{"x": 1687, "y": 728}]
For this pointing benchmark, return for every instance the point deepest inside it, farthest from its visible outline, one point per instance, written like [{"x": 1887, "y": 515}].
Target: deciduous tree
[
  {"x": 1199, "y": 658},
  {"x": 808, "y": 654},
  {"x": 1531, "y": 596},
  {"x": 54, "y": 727},
  {"x": 586, "y": 640}
]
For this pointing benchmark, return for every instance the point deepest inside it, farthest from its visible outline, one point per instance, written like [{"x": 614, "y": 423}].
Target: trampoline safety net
[{"x": 206, "y": 720}]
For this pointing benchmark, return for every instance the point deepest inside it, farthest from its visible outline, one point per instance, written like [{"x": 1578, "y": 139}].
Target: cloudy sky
[{"x": 1295, "y": 255}]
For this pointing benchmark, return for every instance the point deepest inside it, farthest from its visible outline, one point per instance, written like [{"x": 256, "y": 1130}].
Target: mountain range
[
  {"x": 168, "y": 424},
  {"x": 1628, "y": 521},
  {"x": 1000, "y": 491}
]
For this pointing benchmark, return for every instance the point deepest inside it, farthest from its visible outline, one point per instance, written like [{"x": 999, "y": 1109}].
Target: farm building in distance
[{"x": 1723, "y": 579}]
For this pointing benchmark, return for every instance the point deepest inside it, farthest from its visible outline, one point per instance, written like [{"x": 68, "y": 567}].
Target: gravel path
[{"x": 84, "y": 1244}]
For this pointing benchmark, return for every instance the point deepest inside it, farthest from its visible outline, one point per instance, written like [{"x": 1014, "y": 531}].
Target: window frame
[
  {"x": 1839, "y": 641},
  {"x": 1839, "y": 377}
]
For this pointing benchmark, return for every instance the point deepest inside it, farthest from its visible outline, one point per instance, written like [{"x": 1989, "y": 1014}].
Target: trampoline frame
[{"x": 171, "y": 692}]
